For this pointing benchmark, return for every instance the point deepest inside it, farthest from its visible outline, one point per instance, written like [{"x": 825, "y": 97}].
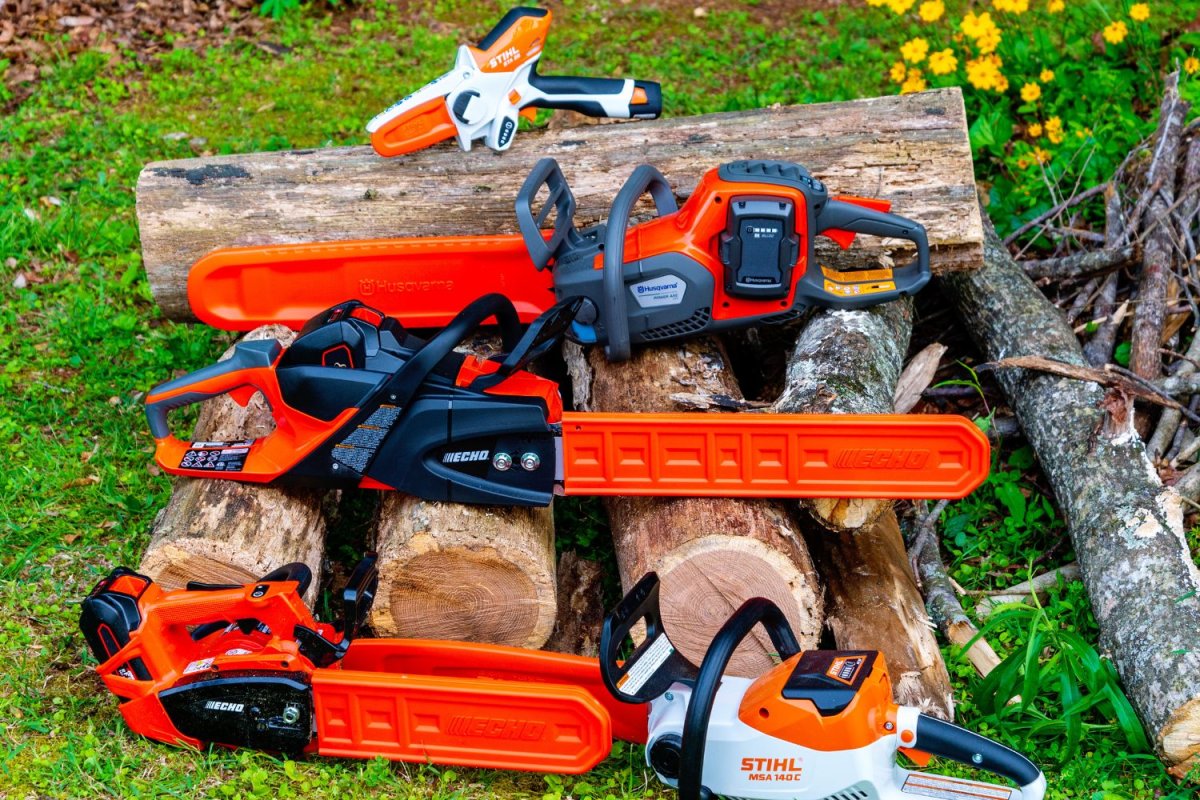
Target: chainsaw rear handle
[
  {"x": 754, "y": 611},
  {"x": 853, "y": 218},
  {"x": 572, "y": 94},
  {"x": 248, "y": 366},
  {"x": 615, "y": 312},
  {"x": 640, "y": 603},
  {"x": 940, "y": 738},
  {"x": 546, "y": 172}
]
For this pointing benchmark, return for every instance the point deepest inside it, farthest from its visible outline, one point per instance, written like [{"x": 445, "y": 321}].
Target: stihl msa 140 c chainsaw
[
  {"x": 249, "y": 666},
  {"x": 496, "y": 83},
  {"x": 360, "y": 402},
  {"x": 739, "y": 252}
]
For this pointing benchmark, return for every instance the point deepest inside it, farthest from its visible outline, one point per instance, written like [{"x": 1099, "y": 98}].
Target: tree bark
[
  {"x": 451, "y": 571},
  {"x": 1126, "y": 527},
  {"x": 847, "y": 362},
  {"x": 218, "y": 531},
  {"x": 711, "y": 554},
  {"x": 874, "y": 604},
  {"x": 913, "y": 150},
  {"x": 581, "y": 607}
]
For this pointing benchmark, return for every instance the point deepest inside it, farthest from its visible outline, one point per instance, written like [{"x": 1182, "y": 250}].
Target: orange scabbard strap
[{"x": 773, "y": 455}]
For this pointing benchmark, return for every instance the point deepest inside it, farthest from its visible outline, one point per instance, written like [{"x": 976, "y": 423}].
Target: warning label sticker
[
  {"x": 216, "y": 456},
  {"x": 197, "y": 666},
  {"x": 953, "y": 788},
  {"x": 665, "y": 291},
  {"x": 644, "y": 668}
]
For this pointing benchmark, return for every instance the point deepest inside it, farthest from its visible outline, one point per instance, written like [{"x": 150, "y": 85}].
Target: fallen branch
[
  {"x": 1054, "y": 212},
  {"x": 1017, "y": 593},
  {"x": 916, "y": 377},
  {"x": 1080, "y": 265}
]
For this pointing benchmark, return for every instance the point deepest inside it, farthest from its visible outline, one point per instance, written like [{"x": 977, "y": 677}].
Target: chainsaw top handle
[
  {"x": 616, "y": 315},
  {"x": 754, "y": 611}
]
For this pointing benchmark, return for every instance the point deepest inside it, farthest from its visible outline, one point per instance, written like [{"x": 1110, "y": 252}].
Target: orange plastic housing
[
  {"x": 772, "y": 455},
  {"x": 408, "y": 700}
]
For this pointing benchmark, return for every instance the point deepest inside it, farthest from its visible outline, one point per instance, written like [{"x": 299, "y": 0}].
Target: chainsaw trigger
[
  {"x": 918, "y": 757},
  {"x": 529, "y": 113},
  {"x": 316, "y": 648},
  {"x": 243, "y": 395},
  {"x": 843, "y": 238}
]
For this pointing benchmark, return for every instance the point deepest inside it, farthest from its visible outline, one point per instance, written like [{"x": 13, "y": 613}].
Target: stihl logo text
[
  {"x": 370, "y": 286},
  {"x": 465, "y": 455},
  {"x": 883, "y": 459},
  {"x": 504, "y": 58},
  {"x": 497, "y": 728},
  {"x": 221, "y": 705},
  {"x": 772, "y": 769}
]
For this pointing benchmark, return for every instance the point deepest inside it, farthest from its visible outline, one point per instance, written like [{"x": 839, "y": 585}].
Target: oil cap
[
  {"x": 665, "y": 755},
  {"x": 759, "y": 247}
]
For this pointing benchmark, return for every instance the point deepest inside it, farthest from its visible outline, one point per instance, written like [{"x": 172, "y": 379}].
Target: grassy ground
[{"x": 81, "y": 341}]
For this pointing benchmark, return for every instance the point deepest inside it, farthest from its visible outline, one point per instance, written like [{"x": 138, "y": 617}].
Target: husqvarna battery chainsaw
[
  {"x": 494, "y": 84},
  {"x": 358, "y": 401},
  {"x": 739, "y": 252},
  {"x": 249, "y": 666}
]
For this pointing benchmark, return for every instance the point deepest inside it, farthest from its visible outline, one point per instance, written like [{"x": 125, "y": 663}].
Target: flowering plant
[{"x": 1057, "y": 91}]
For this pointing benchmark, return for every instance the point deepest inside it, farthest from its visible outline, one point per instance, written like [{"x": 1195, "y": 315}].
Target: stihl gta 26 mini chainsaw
[
  {"x": 249, "y": 666},
  {"x": 360, "y": 402},
  {"x": 496, "y": 83},
  {"x": 739, "y": 252}
]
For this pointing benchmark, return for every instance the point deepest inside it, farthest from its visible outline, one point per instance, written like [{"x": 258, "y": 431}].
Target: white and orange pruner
[{"x": 495, "y": 83}]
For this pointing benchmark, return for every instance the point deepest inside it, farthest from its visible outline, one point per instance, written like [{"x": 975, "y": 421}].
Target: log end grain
[{"x": 1179, "y": 739}]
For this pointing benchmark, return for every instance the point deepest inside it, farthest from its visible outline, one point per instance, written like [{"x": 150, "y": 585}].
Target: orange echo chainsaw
[
  {"x": 249, "y": 666},
  {"x": 495, "y": 84},
  {"x": 360, "y": 402},
  {"x": 739, "y": 252}
]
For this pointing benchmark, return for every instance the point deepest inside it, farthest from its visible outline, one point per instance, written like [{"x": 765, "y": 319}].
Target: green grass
[{"x": 82, "y": 341}]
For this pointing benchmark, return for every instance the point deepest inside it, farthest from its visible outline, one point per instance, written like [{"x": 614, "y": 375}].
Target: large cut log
[
  {"x": 1126, "y": 527},
  {"x": 450, "y": 571},
  {"x": 219, "y": 531},
  {"x": 847, "y": 362},
  {"x": 874, "y": 604},
  {"x": 912, "y": 150},
  {"x": 711, "y": 554}
]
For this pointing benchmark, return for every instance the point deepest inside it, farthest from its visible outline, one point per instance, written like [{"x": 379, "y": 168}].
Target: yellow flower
[
  {"x": 1191, "y": 65},
  {"x": 943, "y": 62},
  {"x": 915, "y": 50},
  {"x": 1116, "y": 32},
  {"x": 914, "y": 83},
  {"x": 984, "y": 73},
  {"x": 1041, "y": 155},
  {"x": 932, "y": 10},
  {"x": 899, "y": 72},
  {"x": 1002, "y": 84},
  {"x": 1023, "y": 163},
  {"x": 900, "y": 6},
  {"x": 876, "y": 3},
  {"x": 1046, "y": 76},
  {"x": 1139, "y": 12},
  {"x": 989, "y": 41},
  {"x": 1054, "y": 6},
  {"x": 1035, "y": 130},
  {"x": 1054, "y": 130},
  {"x": 1030, "y": 92},
  {"x": 1012, "y": 6},
  {"x": 974, "y": 26}
]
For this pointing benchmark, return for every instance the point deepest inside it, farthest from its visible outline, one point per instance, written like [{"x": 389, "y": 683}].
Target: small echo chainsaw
[
  {"x": 249, "y": 666},
  {"x": 493, "y": 85},
  {"x": 821, "y": 725},
  {"x": 358, "y": 401},
  {"x": 739, "y": 252}
]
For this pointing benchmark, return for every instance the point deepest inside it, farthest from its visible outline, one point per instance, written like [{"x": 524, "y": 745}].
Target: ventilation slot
[
  {"x": 697, "y": 322},
  {"x": 786, "y": 316}
]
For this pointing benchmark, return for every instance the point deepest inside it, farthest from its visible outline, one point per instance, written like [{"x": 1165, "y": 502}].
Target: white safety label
[
  {"x": 665, "y": 291},
  {"x": 645, "y": 667},
  {"x": 945, "y": 788},
  {"x": 197, "y": 666}
]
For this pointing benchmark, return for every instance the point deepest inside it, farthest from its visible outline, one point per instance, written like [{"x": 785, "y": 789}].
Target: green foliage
[{"x": 1057, "y": 92}]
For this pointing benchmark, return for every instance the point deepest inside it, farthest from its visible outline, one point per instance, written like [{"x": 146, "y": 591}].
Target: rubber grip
[
  {"x": 246, "y": 355},
  {"x": 939, "y": 738},
  {"x": 854, "y": 218},
  {"x": 615, "y": 314},
  {"x": 566, "y": 86}
]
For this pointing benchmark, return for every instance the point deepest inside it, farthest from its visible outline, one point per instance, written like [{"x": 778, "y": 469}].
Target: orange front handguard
[{"x": 249, "y": 370}]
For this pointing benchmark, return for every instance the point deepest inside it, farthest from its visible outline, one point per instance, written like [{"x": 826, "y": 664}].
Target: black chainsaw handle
[
  {"x": 244, "y": 368},
  {"x": 854, "y": 218},
  {"x": 571, "y": 94},
  {"x": 407, "y": 381},
  {"x": 945, "y": 739},
  {"x": 640, "y": 603},
  {"x": 615, "y": 314},
  {"x": 695, "y": 722},
  {"x": 559, "y": 199}
]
